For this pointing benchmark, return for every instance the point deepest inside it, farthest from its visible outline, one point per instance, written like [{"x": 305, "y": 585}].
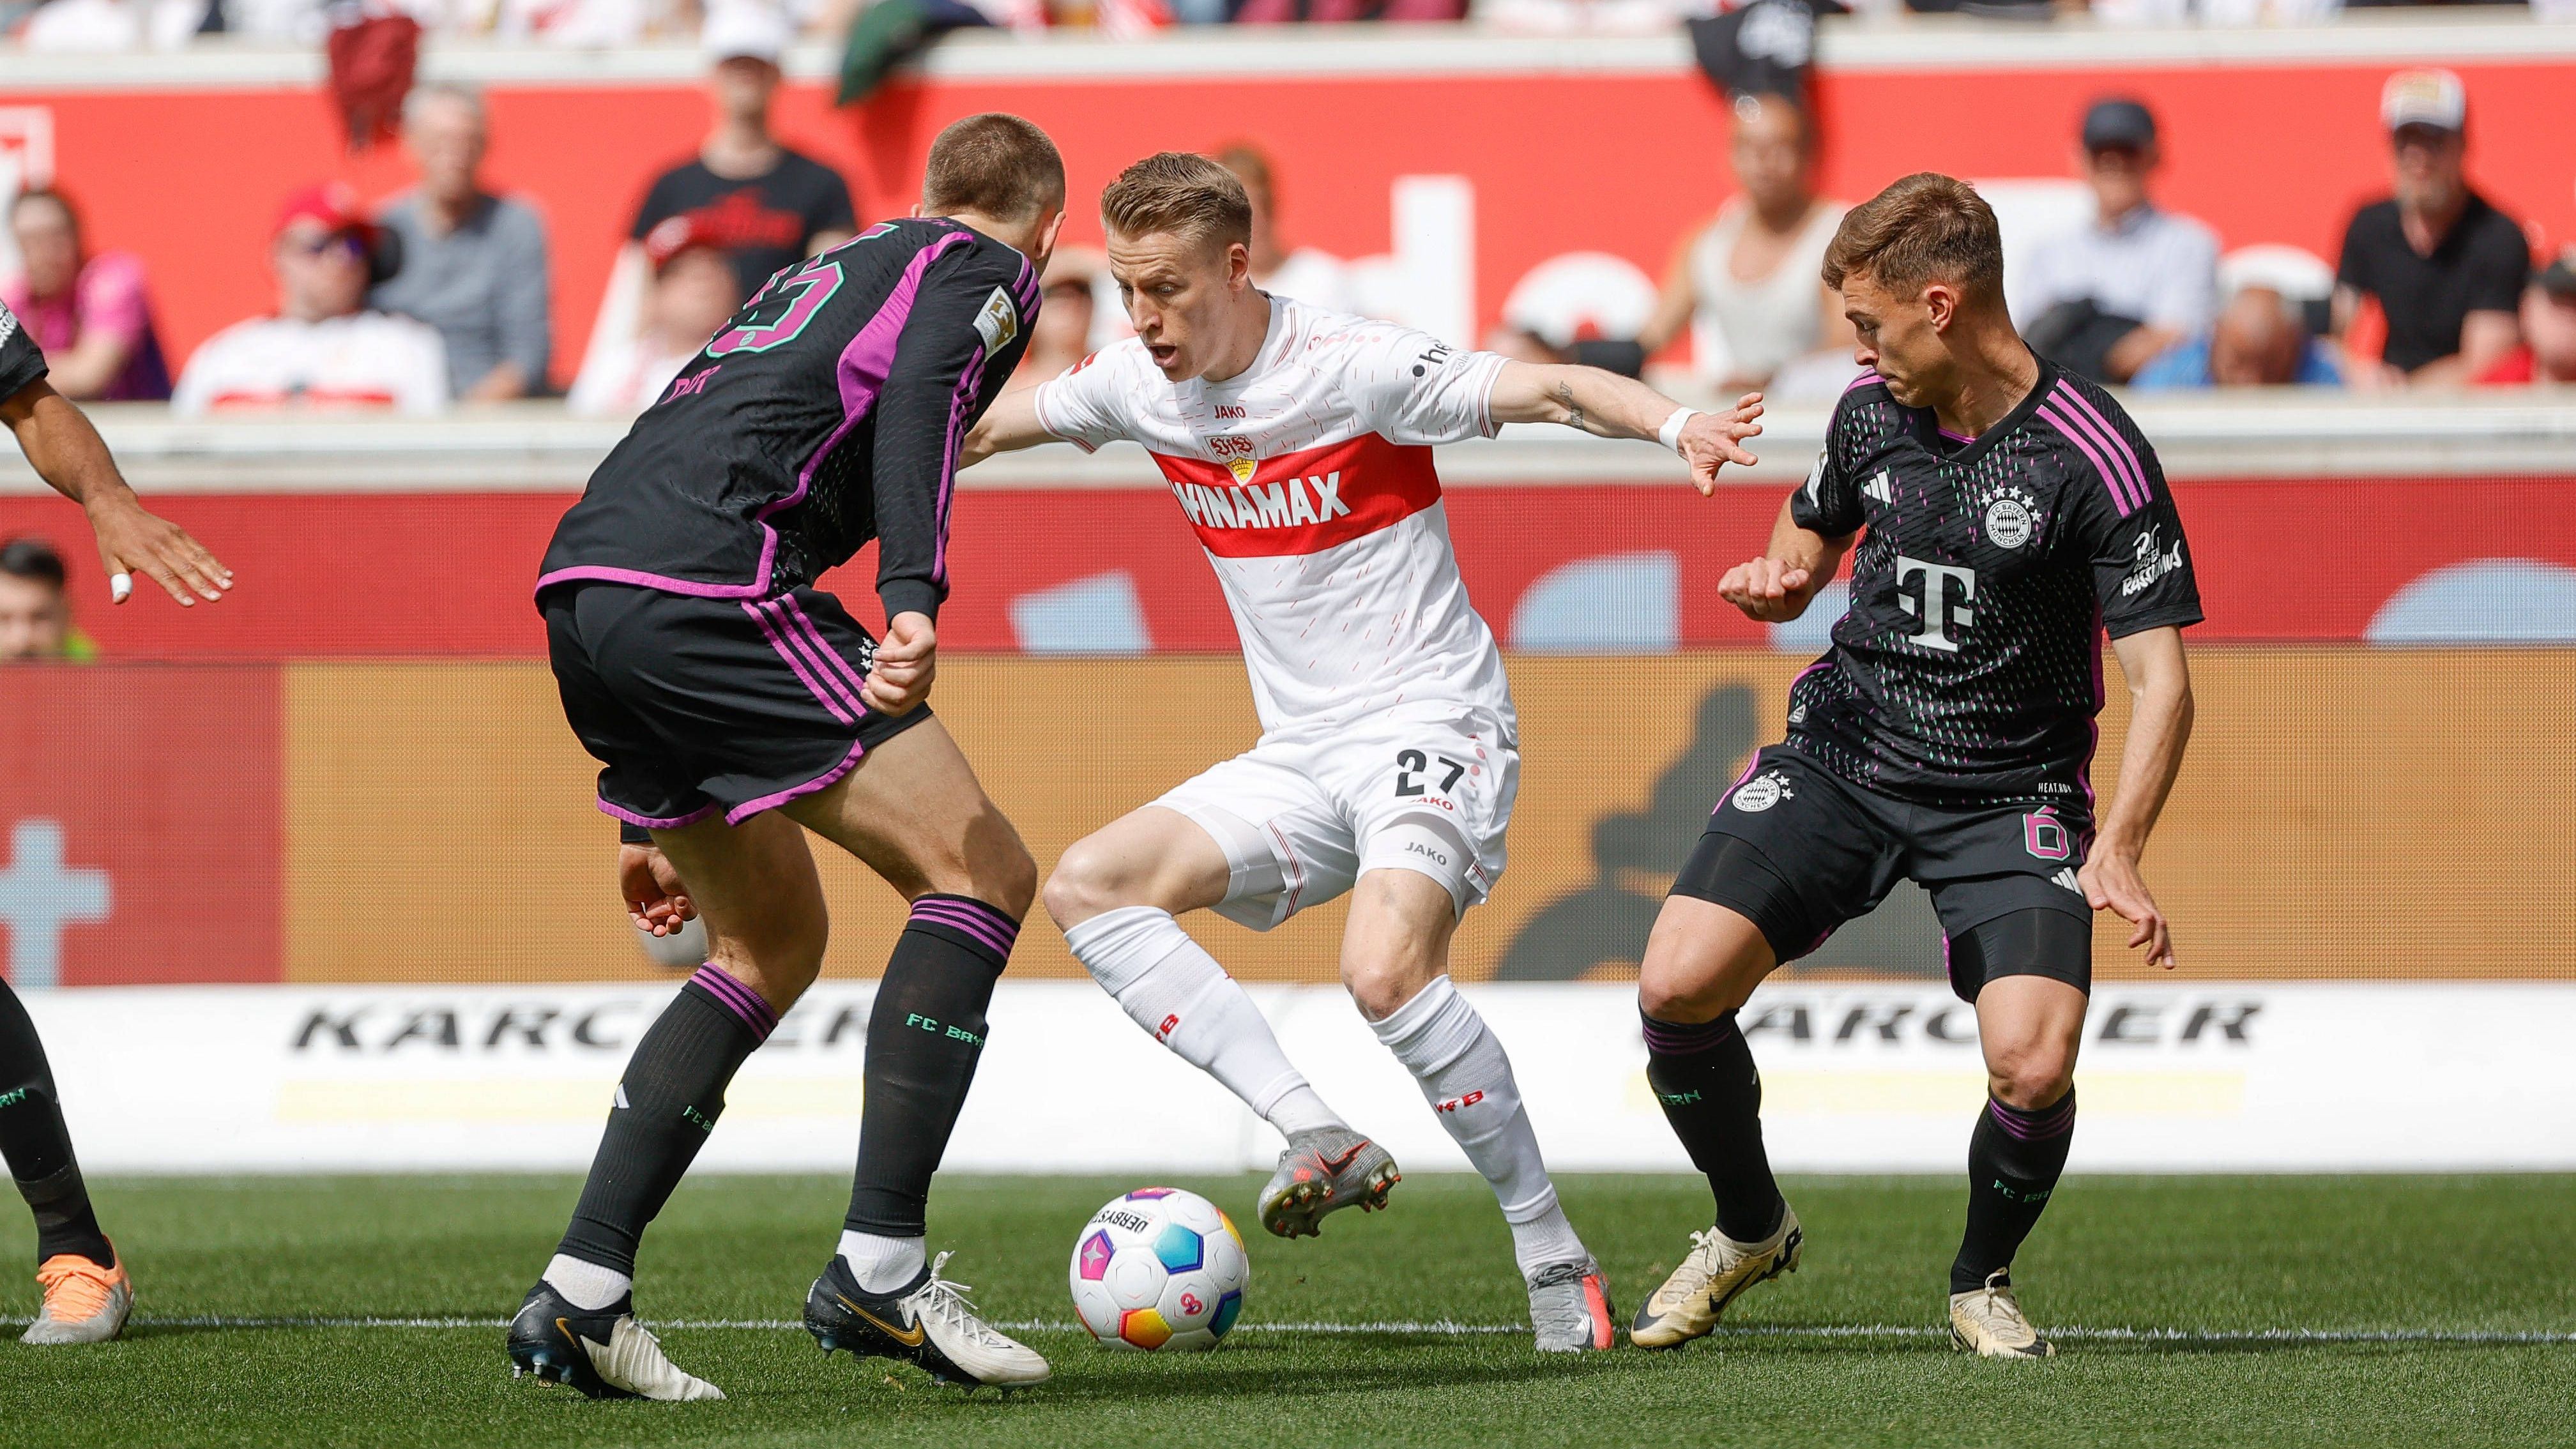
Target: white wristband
[{"x": 1670, "y": 434}]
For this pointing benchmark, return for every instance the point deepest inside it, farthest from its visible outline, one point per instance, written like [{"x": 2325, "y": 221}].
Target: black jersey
[
  {"x": 21, "y": 360},
  {"x": 1969, "y": 666},
  {"x": 831, "y": 410}
]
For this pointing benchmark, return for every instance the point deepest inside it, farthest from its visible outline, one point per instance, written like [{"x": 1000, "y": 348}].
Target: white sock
[
  {"x": 1468, "y": 1081},
  {"x": 882, "y": 1264},
  {"x": 587, "y": 1285},
  {"x": 1174, "y": 989}
]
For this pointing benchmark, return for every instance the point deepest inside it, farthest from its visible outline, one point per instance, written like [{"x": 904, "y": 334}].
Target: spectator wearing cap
[
  {"x": 692, "y": 297},
  {"x": 2547, "y": 352},
  {"x": 473, "y": 263},
  {"x": 768, "y": 207},
  {"x": 323, "y": 349},
  {"x": 35, "y": 607},
  {"x": 2260, "y": 340},
  {"x": 2446, "y": 268},
  {"x": 92, "y": 313},
  {"x": 2107, "y": 297}
]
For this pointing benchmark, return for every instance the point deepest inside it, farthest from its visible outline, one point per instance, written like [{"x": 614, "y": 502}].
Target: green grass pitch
[{"x": 2193, "y": 1312}]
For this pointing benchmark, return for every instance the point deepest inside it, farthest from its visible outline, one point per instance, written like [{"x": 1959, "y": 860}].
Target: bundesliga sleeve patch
[{"x": 998, "y": 322}]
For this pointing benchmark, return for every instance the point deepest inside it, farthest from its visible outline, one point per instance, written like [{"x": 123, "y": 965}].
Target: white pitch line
[{"x": 1450, "y": 1328}]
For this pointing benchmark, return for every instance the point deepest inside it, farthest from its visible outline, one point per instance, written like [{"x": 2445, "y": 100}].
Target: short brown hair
[
  {"x": 1175, "y": 191},
  {"x": 1924, "y": 228},
  {"x": 996, "y": 164}
]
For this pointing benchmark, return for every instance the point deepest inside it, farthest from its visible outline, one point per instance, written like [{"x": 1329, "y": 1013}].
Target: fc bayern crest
[
  {"x": 2008, "y": 521},
  {"x": 1762, "y": 792}
]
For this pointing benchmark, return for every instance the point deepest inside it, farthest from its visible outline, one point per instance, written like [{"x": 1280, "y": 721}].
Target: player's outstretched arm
[
  {"x": 1607, "y": 405},
  {"x": 1008, "y": 426},
  {"x": 1778, "y": 586},
  {"x": 70, "y": 456},
  {"x": 2159, "y": 726}
]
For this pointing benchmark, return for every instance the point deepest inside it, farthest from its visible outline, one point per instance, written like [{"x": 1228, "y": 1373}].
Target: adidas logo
[
  {"x": 2066, "y": 877},
  {"x": 1882, "y": 488}
]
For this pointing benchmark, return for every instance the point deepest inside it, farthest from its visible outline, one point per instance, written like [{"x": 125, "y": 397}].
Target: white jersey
[{"x": 1309, "y": 480}]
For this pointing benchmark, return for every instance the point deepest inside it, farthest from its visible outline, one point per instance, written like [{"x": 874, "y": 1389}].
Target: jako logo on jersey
[
  {"x": 1281, "y": 504},
  {"x": 1227, "y": 413},
  {"x": 1929, "y": 600},
  {"x": 1454, "y": 1103},
  {"x": 1763, "y": 791},
  {"x": 1882, "y": 488},
  {"x": 2151, "y": 565}
]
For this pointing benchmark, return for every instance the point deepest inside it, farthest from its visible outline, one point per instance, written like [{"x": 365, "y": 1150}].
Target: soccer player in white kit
[{"x": 1298, "y": 443}]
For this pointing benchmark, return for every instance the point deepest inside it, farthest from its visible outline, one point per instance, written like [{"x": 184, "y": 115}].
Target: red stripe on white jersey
[{"x": 1303, "y": 502}]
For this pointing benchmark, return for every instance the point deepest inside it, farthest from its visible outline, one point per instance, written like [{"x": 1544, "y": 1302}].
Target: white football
[{"x": 1159, "y": 1269}]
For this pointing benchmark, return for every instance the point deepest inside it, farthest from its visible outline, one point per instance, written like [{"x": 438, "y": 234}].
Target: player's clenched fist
[
  {"x": 906, "y": 661},
  {"x": 1710, "y": 441},
  {"x": 1766, "y": 589}
]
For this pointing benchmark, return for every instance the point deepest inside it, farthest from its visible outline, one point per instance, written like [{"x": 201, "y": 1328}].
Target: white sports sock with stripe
[
  {"x": 1467, "y": 1078},
  {"x": 1174, "y": 989}
]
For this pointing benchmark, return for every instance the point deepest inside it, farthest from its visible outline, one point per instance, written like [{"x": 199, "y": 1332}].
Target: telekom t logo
[
  {"x": 39, "y": 895},
  {"x": 1924, "y": 589}
]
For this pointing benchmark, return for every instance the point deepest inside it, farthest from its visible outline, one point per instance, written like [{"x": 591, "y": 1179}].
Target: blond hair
[
  {"x": 1181, "y": 193},
  {"x": 995, "y": 165}
]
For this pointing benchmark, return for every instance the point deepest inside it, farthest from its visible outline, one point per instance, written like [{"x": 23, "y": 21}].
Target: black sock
[
  {"x": 925, "y": 1034},
  {"x": 667, "y": 1103},
  {"x": 2014, "y": 1159},
  {"x": 38, "y": 1146},
  {"x": 1703, "y": 1073}
]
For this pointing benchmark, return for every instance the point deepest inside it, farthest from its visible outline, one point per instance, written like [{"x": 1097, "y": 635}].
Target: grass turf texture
[{"x": 2227, "y": 1258}]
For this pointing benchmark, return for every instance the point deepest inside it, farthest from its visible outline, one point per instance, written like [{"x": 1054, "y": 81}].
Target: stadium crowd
[{"x": 111, "y": 25}]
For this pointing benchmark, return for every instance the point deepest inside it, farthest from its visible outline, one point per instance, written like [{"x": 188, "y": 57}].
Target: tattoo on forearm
[{"x": 1574, "y": 415}]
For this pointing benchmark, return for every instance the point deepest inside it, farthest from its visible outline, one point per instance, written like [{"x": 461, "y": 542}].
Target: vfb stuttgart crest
[{"x": 1237, "y": 454}]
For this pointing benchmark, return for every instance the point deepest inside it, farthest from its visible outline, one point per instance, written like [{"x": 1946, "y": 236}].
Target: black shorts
[
  {"x": 703, "y": 705},
  {"x": 1798, "y": 850}
]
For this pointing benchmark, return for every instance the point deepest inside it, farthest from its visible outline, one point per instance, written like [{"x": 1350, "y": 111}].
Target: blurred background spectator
[
  {"x": 693, "y": 295},
  {"x": 760, "y": 203},
  {"x": 322, "y": 349},
  {"x": 768, "y": 206},
  {"x": 2547, "y": 352},
  {"x": 90, "y": 312},
  {"x": 35, "y": 608},
  {"x": 2260, "y": 340},
  {"x": 2445, "y": 267},
  {"x": 2105, "y": 298},
  {"x": 1325, "y": 12},
  {"x": 1314, "y": 277},
  {"x": 473, "y": 264},
  {"x": 1748, "y": 284},
  {"x": 1062, "y": 336}
]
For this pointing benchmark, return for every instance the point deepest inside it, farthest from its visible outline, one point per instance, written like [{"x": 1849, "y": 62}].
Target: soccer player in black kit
[
  {"x": 736, "y": 706},
  {"x": 2007, "y": 515},
  {"x": 87, "y": 1292}
]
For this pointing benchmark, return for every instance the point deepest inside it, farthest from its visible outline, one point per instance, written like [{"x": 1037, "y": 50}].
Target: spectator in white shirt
[
  {"x": 694, "y": 294},
  {"x": 322, "y": 350},
  {"x": 2106, "y": 298},
  {"x": 1316, "y": 278}
]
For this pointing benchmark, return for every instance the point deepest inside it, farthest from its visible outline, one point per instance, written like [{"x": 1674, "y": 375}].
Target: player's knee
[
  {"x": 1085, "y": 883},
  {"x": 1009, "y": 880},
  {"x": 780, "y": 961},
  {"x": 2032, "y": 1077},
  {"x": 1667, "y": 993}
]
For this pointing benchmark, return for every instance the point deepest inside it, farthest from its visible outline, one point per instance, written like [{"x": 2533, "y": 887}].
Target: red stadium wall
[
  {"x": 1619, "y": 163},
  {"x": 448, "y": 574}
]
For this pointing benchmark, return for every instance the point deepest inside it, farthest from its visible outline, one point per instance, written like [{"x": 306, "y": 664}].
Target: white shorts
[{"x": 1426, "y": 788}]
